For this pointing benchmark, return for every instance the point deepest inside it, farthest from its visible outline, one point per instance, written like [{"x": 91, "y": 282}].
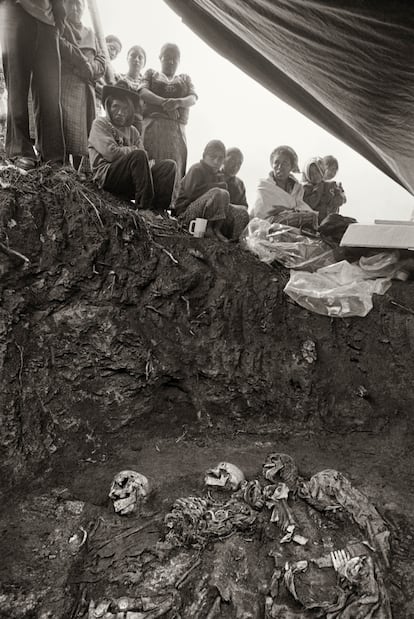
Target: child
[
  {"x": 330, "y": 166},
  {"x": 118, "y": 160},
  {"x": 204, "y": 193},
  {"x": 322, "y": 195}
]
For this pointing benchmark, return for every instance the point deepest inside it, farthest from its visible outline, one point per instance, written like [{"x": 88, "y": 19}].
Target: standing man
[{"x": 29, "y": 31}]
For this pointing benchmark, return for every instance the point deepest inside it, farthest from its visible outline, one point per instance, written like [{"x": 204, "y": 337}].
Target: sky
[{"x": 233, "y": 107}]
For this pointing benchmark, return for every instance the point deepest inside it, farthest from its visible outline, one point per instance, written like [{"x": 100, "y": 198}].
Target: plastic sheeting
[
  {"x": 343, "y": 289},
  {"x": 287, "y": 245},
  {"x": 345, "y": 64}
]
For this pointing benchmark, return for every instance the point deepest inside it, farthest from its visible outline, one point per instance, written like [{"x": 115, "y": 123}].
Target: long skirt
[
  {"x": 165, "y": 139},
  {"x": 78, "y": 112},
  {"x": 214, "y": 205}
]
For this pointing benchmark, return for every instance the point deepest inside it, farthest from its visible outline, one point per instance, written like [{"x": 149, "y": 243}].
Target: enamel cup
[{"x": 198, "y": 227}]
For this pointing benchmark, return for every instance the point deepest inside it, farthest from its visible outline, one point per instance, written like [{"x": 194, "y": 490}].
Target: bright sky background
[{"x": 239, "y": 111}]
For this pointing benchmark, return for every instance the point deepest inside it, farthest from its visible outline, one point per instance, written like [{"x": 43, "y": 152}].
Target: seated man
[
  {"x": 203, "y": 193},
  {"x": 231, "y": 166},
  {"x": 118, "y": 160}
]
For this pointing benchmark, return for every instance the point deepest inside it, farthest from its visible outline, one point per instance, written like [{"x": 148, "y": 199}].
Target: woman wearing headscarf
[
  {"x": 117, "y": 157},
  {"x": 323, "y": 196},
  {"x": 168, "y": 98},
  {"x": 280, "y": 196},
  {"x": 83, "y": 64}
]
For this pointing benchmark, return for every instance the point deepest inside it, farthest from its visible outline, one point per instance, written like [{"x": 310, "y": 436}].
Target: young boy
[
  {"x": 118, "y": 160},
  {"x": 231, "y": 166},
  {"x": 204, "y": 193}
]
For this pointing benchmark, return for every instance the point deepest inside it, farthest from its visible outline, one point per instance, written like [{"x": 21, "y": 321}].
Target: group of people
[{"x": 132, "y": 126}]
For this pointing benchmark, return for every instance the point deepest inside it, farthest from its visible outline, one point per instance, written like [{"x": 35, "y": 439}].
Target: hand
[
  {"x": 59, "y": 14},
  {"x": 169, "y": 105},
  {"x": 84, "y": 71}
]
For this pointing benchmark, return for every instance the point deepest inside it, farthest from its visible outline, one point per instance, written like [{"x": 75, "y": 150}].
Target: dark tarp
[{"x": 348, "y": 65}]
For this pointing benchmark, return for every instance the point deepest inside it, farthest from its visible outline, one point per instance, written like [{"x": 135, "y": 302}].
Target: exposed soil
[{"x": 127, "y": 343}]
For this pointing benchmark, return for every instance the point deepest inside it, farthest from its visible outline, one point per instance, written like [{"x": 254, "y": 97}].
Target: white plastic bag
[
  {"x": 287, "y": 245},
  {"x": 341, "y": 289}
]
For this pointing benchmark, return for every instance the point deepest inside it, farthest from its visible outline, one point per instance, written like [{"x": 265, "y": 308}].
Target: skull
[
  {"x": 128, "y": 491},
  {"x": 225, "y": 475}
]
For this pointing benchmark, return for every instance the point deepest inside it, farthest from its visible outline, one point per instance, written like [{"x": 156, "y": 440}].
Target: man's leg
[
  {"x": 163, "y": 174},
  {"x": 17, "y": 39},
  {"x": 130, "y": 176},
  {"x": 46, "y": 82}
]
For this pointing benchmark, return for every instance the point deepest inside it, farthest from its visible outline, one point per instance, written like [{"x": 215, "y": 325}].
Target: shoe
[{"x": 25, "y": 163}]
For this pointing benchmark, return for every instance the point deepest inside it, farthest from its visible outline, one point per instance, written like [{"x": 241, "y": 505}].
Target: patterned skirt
[
  {"x": 165, "y": 139},
  {"x": 78, "y": 112}
]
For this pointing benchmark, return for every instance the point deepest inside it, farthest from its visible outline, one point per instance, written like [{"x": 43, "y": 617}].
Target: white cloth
[{"x": 272, "y": 200}]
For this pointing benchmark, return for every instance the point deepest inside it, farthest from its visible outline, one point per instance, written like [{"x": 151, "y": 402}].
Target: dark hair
[
  {"x": 289, "y": 152},
  {"x": 213, "y": 146},
  {"x": 234, "y": 150},
  {"x": 170, "y": 47},
  {"x": 126, "y": 99},
  {"x": 111, "y": 38},
  {"x": 138, "y": 48}
]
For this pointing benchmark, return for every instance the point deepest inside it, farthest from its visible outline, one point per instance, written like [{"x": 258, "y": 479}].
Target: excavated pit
[{"x": 125, "y": 342}]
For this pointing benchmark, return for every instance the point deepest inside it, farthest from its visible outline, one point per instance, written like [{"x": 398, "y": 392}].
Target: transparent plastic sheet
[
  {"x": 343, "y": 289},
  {"x": 287, "y": 245}
]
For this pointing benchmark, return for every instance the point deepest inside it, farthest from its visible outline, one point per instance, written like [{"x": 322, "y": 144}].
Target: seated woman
[
  {"x": 83, "y": 64},
  {"x": 280, "y": 196},
  {"x": 168, "y": 98},
  {"x": 321, "y": 195},
  {"x": 118, "y": 160},
  {"x": 203, "y": 193}
]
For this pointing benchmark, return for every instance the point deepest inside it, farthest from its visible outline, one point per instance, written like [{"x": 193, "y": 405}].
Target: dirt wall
[{"x": 120, "y": 321}]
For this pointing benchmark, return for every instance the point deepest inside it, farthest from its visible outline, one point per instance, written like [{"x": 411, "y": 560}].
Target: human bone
[
  {"x": 225, "y": 475},
  {"x": 279, "y": 466},
  {"x": 128, "y": 491}
]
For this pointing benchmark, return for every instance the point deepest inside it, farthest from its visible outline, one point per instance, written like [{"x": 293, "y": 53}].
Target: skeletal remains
[
  {"x": 226, "y": 475},
  {"x": 129, "y": 490}
]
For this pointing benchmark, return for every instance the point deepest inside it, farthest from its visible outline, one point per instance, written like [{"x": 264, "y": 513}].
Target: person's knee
[
  {"x": 170, "y": 164},
  {"x": 219, "y": 194},
  {"x": 137, "y": 158}
]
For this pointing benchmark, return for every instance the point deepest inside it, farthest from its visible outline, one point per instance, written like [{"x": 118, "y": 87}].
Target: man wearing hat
[{"x": 118, "y": 160}]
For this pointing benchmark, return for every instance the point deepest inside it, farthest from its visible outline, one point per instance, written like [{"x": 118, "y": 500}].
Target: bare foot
[{"x": 220, "y": 236}]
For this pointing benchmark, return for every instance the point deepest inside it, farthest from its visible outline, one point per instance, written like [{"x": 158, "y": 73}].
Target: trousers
[
  {"x": 30, "y": 50},
  {"x": 132, "y": 177}
]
